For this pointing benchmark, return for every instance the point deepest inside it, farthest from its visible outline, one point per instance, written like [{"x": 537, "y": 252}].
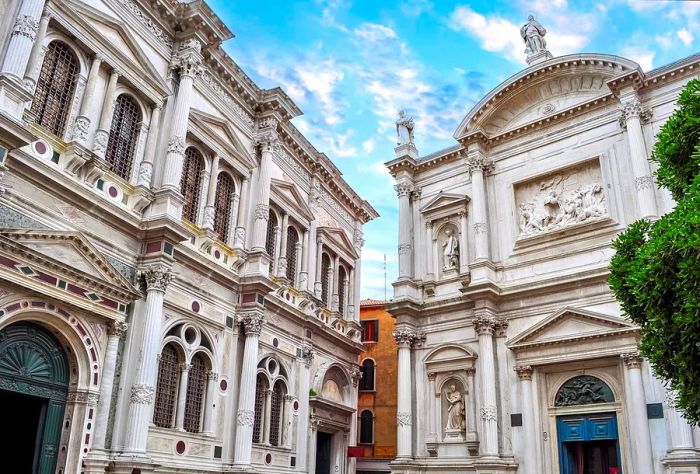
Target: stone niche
[{"x": 567, "y": 198}]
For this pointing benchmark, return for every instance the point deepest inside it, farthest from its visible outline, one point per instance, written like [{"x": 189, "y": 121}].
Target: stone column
[
  {"x": 479, "y": 166},
  {"x": 99, "y": 145},
  {"x": 36, "y": 58},
  {"x": 529, "y": 429},
  {"x": 314, "y": 422},
  {"x": 146, "y": 166},
  {"x": 501, "y": 332},
  {"x": 307, "y": 355},
  {"x": 241, "y": 221},
  {"x": 282, "y": 260},
  {"x": 417, "y": 255},
  {"x": 299, "y": 249},
  {"x": 269, "y": 141},
  {"x": 471, "y": 405},
  {"x": 267, "y": 419},
  {"x": 682, "y": 448},
  {"x": 318, "y": 286},
  {"x": 434, "y": 428},
  {"x": 116, "y": 331},
  {"x": 430, "y": 273},
  {"x": 311, "y": 255},
  {"x": 276, "y": 251},
  {"x": 639, "y": 434},
  {"x": 235, "y": 205},
  {"x": 335, "y": 302},
  {"x": 489, "y": 416},
  {"x": 404, "y": 406},
  {"x": 633, "y": 114},
  {"x": 463, "y": 242},
  {"x": 209, "y": 207},
  {"x": 182, "y": 396},
  {"x": 81, "y": 127},
  {"x": 212, "y": 377},
  {"x": 403, "y": 190},
  {"x": 22, "y": 38},
  {"x": 286, "y": 417},
  {"x": 331, "y": 285},
  {"x": 252, "y": 320},
  {"x": 189, "y": 58},
  {"x": 157, "y": 278},
  {"x": 303, "y": 281}
]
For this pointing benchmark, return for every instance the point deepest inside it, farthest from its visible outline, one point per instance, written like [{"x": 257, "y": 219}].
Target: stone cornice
[{"x": 573, "y": 340}]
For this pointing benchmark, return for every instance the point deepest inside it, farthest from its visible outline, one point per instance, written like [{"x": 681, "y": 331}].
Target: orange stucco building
[{"x": 376, "y": 409}]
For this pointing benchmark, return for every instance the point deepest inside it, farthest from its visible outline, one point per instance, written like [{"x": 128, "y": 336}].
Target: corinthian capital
[
  {"x": 268, "y": 139},
  {"x": 157, "y": 277},
  {"x": 189, "y": 57},
  {"x": 403, "y": 188},
  {"x": 478, "y": 162},
  {"x": 404, "y": 336},
  {"x": 633, "y": 108},
  {"x": 117, "y": 328},
  {"x": 484, "y": 325},
  {"x": 252, "y": 322}
]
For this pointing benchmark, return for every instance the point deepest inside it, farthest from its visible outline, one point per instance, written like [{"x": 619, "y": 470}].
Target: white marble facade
[
  {"x": 546, "y": 170},
  {"x": 203, "y": 257}
]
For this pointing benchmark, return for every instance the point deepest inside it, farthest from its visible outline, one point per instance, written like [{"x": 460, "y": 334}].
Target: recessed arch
[{"x": 583, "y": 389}]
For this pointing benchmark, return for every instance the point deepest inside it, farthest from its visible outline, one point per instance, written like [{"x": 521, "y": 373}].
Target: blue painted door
[{"x": 588, "y": 444}]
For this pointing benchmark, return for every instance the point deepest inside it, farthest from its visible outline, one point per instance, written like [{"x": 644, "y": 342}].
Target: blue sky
[{"x": 351, "y": 65}]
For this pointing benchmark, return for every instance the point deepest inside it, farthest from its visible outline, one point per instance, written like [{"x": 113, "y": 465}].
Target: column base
[
  {"x": 14, "y": 96},
  {"x": 125, "y": 463},
  {"x": 236, "y": 468},
  {"x": 96, "y": 462},
  {"x": 167, "y": 203},
  {"x": 258, "y": 263},
  {"x": 682, "y": 461}
]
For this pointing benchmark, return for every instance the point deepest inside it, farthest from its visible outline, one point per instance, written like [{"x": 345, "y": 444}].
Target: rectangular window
[{"x": 370, "y": 331}]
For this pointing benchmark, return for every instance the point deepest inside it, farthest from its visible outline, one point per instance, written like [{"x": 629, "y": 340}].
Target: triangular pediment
[
  {"x": 571, "y": 324},
  {"x": 223, "y": 133},
  {"x": 115, "y": 37},
  {"x": 68, "y": 253},
  {"x": 445, "y": 202},
  {"x": 287, "y": 194},
  {"x": 339, "y": 239}
]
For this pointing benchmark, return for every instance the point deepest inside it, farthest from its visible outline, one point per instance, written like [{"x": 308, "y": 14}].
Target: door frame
[{"x": 587, "y": 416}]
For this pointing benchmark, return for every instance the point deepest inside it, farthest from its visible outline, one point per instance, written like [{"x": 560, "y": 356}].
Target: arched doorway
[{"x": 34, "y": 375}]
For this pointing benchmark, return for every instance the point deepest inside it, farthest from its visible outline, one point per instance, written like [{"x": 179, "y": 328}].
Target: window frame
[
  {"x": 363, "y": 419},
  {"x": 365, "y": 323},
  {"x": 121, "y": 149},
  {"x": 362, "y": 385}
]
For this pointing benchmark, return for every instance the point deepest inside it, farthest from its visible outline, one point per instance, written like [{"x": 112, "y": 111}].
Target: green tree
[{"x": 655, "y": 272}]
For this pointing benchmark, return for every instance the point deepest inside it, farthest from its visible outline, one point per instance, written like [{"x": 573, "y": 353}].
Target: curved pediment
[{"x": 544, "y": 89}]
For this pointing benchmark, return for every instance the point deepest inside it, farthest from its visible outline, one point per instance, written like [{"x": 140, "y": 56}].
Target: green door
[{"x": 33, "y": 388}]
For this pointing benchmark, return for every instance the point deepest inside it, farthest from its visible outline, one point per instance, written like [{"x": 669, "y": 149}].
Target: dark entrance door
[
  {"x": 33, "y": 390},
  {"x": 588, "y": 444},
  {"x": 323, "y": 453}
]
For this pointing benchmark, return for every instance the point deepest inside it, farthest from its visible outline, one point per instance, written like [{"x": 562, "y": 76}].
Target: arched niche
[
  {"x": 583, "y": 390},
  {"x": 333, "y": 384}
]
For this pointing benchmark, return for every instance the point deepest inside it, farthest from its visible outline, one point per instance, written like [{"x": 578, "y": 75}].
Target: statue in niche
[
  {"x": 450, "y": 251},
  {"x": 404, "y": 129},
  {"x": 455, "y": 410},
  {"x": 533, "y": 35}
]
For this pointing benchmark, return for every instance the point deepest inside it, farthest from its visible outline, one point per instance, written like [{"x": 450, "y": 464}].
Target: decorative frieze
[
  {"x": 227, "y": 98},
  {"x": 524, "y": 372},
  {"x": 141, "y": 394},
  {"x": 26, "y": 26},
  {"x": 403, "y": 419},
  {"x": 148, "y": 23},
  {"x": 245, "y": 417}
]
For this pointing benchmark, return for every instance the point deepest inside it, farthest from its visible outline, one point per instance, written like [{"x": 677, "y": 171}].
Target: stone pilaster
[
  {"x": 99, "y": 145},
  {"x": 307, "y": 356},
  {"x": 22, "y": 37},
  {"x": 405, "y": 337},
  {"x": 640, "y": 436},
  {"x": 405, "y": 249},
  {"x": 145, "y": 174},
  {"x": 81, "y": 127},
  {"x": 526, "y": 406},
  {"x": 209, "y": 208},
  {"x": 269, "y": 142},
  {"x": 242, "y": 217},
  {"x": 36, "y": 58},
  {"x": 484, "y": 327},
  {"x": 479, "y": 166}
]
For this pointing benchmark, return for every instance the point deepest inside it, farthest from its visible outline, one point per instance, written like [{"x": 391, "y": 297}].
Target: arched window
[
  {"x": 325, "y": 290},
  {"x": 55, "y": 87},
  {"x": 366, "y": 427},
  {"x": 270, "y": 237},
  {"x": 342, "y": 280},
  {"x": 583, "y": 390},
  {"x": 260, "y": 389},
  {"x": 166, "y": 390},
  {"x": 123, "y": 136},
  {"x": 190, "y": 183},
  {"x": 195, "y": 394},
  {"x": 367, "y": 380},
  {"x": 276, "y": 404},
  {"x": 292, "y": 241},
  {"x": 222, "y": 205}
]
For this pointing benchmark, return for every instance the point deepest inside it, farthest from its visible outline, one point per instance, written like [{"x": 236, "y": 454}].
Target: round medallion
[
  {"x": 268, "y": 458},
  {"x": 275, "y": 342},
  {"x": 180, "y": 447},
  {"x": 195, "y": 306},
  {"x": 40, "y": 147},
  {"x": 296, "y": 405},
  {"x": 217, "y": 254},
  {"x": 223, "y": 385},
  {"x": 113, "y": 192}
]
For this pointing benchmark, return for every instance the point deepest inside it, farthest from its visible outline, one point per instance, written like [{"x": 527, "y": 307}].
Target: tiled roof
[{"x": 371, "y": 302}]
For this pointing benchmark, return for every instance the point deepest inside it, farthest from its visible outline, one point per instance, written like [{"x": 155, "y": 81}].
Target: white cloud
[
  {"x": 642, "y": 56},
  {"x": 415, "y": 7},
  {"x": 321, "y": 79},
  {"x": 665, "y": 40},
  {"x": 495, "y": 34},
  {"x": 374, "y": 32},
  {"x": 685, "y": 36},
  {"x": 368, "y": 145}
]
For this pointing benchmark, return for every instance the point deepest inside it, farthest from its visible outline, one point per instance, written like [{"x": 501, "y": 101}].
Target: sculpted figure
[
  {"x": 450, "y": 250},
  {"x": 455, "y": 411},
  {"x": 404, "y": 129},
  {"x": 533, "y": 35}
]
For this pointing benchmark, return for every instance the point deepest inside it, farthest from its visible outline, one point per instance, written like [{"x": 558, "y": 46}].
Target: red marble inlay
[
  {"x": 81, "y": 329},
  {"x": 223, "y": 385},
  {"x": 217, "y": 254},
  {"x": 275, "y": 342},
  {"x": 7, "y": 262},
  {"x": 87, "y": 438},
  {"x": 153, "y": 247},
  {"x": 75, "y": 289},
  {"x": 62, "y": 312},
  {"x": 113, "y": 192},
  {"x": 12, "y": 307},
  {"x": 38, "y": 304},
  {"x": 51, "y": 280},
  {"x": 93, "y": 354},
  {"x": 268, "y": 458},
  {"x": 110, "y": 303},
  {"x": 180, "y": 447},
  {"x": 248, "y": 298},
  {"x": 40, "y": 147},
  {"x": 296, "y": 405},
  {"x": 90, "y": 413},
  {"x": 94, "y": 378},
  {"x": 195, "y": 306}
]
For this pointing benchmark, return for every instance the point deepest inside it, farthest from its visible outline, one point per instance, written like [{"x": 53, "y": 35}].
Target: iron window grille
[
  {"x": 270, "y": 237},
  {"x": 222, "y": 213},
  {"x": 292, "y": 241},
  {"x": 123, "y": 136},
  {"x": 276, "y": 413},
  {"x": 166, "y": 390},
  {"x": 55, "y": 87},
  {"x": 325, "y": 290},
  {"x": 342, "y": 277},
  {"x": 195, "y": 394},
  {"x": 191, "y": 183},
  {"x": 260, "y": 388}
]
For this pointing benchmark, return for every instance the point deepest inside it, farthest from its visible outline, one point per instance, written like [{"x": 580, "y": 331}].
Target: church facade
[
  {"x": 513, "y": 354},
  {"x": 179, "y": 266}
]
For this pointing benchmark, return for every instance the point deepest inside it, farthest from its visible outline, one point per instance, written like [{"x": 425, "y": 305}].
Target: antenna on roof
[{"x": 384, "y": 277}]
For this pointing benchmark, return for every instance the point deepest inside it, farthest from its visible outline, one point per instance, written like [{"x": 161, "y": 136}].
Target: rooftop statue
[
  {"x": 533, "y": 36},
  {"x": 404, "y": 129}
]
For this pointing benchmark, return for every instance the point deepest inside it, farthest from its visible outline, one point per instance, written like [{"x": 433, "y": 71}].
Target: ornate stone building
[
  {"x": 513, "y": 353},
  {"x": 179, "y": 266}
]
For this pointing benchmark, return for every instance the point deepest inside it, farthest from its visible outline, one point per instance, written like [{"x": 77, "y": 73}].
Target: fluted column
[
  {"x": 189, "y": 57},
  {"x": 489, "y": 414},
  {"x": 479, "y": 166},
  {"x": 182, "y": 396},
  {"x": 303, "y": 281},
  {"x": 404, "y": 406},
  {"x": 318, "y": 285},
  {"x": 403, "y": 191},
  {"x": 430, "y": 273},
  {"x": 681, "y": 433},
  {"x": 157, "y": 278},
  {"x": 471, "y": 404},
  {"x": 307, "y": 355},
  {"x": 434, "y": 428},
  {"x": 24, "y": 32},
  {"x": 504, "y": 428},
  {"x": 146, "y": 166},
  {"x": 116, "y": 331},
  {"x": 269, "y": 141},
  {"x": 81, "y": 127},
  {"x": 529, "y": 432},
  {"x": 639, "y": 435},
  {"x": 282, "y": 259},
  {"x": 31, "y": 76},
  {"x": 633, "y": 114},
  {"x": 417, "y": 253},
  {"x": 209, "y": 207},
  {"x": 242, "y": 218},
  {"x": 99, "y": 145},
  {"x": 463, "y": 232},
  {"x": 252, "y": 320},
  {"x": 335, "y": 301}
]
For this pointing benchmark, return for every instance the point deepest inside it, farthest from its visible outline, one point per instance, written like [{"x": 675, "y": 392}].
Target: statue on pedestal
[
  {"x": 533, "y": 35},
  {"x": 450, "y": 251},
  {"x": 455, "y": 411},
  {"x": 404, "y": 129}
]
